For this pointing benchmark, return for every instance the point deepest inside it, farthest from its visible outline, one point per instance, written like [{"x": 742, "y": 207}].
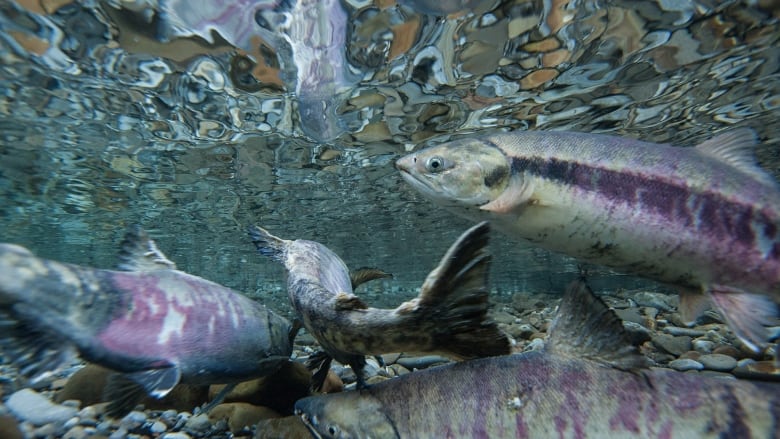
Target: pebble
[
  {"x": 9, "y": 429},
  {"x": 675, "y": 345},
  {"x": 524, "y": 331},
  {"x": 536, "y": 344},
  {"x": 158, "y": 427},
  {"x": 77, "y": 432},
  {"x": 503, "y": 317},
  {"x": 718, "y": 362},
  {"x": 120, "y": 433},
  {"x": 175, "y": 435},
  {"x": 660, "y": 301},
  {"x": 46, "y": 430},
  {"x": 637, "y": 333},
  {"x": 630, "y": 315},
  {"x": 731, "y": 351},
  {"x": 703, "y": 345},
  {"x": 29, "y": 405},
  {"x": 691, "y": 355},
  {"x": 676, "y": 330},
  {"x": 422, "y": 362},
  {"x": 198, "y": 423},
  {"x": 685, "y": 364},
  {"x": 133, "y": 420}
]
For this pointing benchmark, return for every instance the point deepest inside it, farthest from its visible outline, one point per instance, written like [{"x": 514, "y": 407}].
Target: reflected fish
[
  {"x": 154, "y": 325},
  {"x": 448, "y": 317},
  {"x": 704, "y": 219},
  {"x": 588, "y": 382}
]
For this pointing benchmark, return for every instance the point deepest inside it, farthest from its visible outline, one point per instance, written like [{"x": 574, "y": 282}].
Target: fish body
[
  {"x": 449, "y": 316},
  {"x": 565, "y": 390},
  {"x": 704, "y": 219},
  {"x": 156, "y": 325}
]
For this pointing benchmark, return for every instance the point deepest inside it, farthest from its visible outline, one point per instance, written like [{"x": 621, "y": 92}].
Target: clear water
[{"x": 195, "y": 122}]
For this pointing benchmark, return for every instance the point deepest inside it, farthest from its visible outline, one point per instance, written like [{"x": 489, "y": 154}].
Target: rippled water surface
[{"x": 195, "y": 122}]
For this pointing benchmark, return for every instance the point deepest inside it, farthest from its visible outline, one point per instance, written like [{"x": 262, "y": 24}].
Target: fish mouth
[
  {"x": 406, "y": 172},
  {"x": 308, "y": 423}
]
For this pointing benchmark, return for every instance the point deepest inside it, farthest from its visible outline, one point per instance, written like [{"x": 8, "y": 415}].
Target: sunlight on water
[{"x": 196, "y": 123}]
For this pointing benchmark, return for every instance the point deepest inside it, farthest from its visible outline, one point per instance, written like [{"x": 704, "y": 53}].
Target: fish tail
[
  {"x": 266, "y": 243},
  {"x": 453, "y": 301},
  {"x": 39, "y": 300}
]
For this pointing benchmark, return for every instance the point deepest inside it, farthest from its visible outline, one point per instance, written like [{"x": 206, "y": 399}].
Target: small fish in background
[
  {"x": 152, "y": 324},
  {"x": 449, "y": 316},
  {"x": 705, "y": 220},
  {"x": 588, "y": 382}
]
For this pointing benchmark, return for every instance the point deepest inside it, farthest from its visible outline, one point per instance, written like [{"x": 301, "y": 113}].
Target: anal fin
[
  {"x": 748, "y": 315},
  {"x": 584, "y": 327}
]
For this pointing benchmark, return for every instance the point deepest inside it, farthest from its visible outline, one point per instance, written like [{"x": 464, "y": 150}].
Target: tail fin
[
  {"x": 453, "y": 301},
  {"x": 266, "y": 243}
]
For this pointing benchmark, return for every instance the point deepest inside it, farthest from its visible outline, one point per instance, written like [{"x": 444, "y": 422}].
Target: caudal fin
[
  {"x": 266, "y": 243},
  {"x": 748, "y": 315},
  {"x": 453, "y": 301}
]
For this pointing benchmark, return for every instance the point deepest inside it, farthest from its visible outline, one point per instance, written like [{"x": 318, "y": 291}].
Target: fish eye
[
  {"x": 435, "y": 164},
  {"x": 333, "y": 430}
]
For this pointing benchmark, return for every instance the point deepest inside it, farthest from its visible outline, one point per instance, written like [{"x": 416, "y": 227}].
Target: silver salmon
[
  {"x": 703, "y": 219},
  {"x": 154, "y": 325},
  {"x": 588, "y": 382},
  {"x": 448, "y": 317}
]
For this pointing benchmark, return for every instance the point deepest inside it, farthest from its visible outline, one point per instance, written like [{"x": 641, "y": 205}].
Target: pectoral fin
[
  {"x": 747, "y": 314},
  {"x": 319, "y": 365},
  {"x": 516, "y": 195},
  {"x": 693, "y": 304}
]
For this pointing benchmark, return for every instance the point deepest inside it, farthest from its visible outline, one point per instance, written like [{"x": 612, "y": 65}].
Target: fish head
[
  {"x": 464, "y": 173},
  {"x": 345, "y": 415}
]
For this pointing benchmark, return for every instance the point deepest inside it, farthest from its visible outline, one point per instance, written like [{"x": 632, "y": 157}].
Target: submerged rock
[
  {"x": 718, "y": 362},
  {"x": 671, "y": 344},
  {"x": 29, "y": 405},
  {"x": 278, "y": 391},
  {"x": 685, "y": 364},
  {"x": 9, "y": 428},
  {"x": 240, "y": 415},
  {"x": 290, "y": 427}
]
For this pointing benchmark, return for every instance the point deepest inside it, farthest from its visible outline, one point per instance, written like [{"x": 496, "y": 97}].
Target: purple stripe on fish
[{"x": 709, "y": 212}]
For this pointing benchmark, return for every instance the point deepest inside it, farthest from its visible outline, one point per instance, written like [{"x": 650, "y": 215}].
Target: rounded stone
[
  {"x": 77, "y": 432},
  {"x": 718, "y": 362},
  {"x": 685, "y": 364},
  {"x": 703, "y": 345},
  {"x": 133, "y": 420},
  {"x": 198, "y": 423},
  {"x": 158, "y": 427},
  {"x": 727, "y": 350},
  {"x": 29, "y": 405}
]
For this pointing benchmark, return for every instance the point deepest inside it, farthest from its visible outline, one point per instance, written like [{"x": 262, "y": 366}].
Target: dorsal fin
[
  {"x": 585, "y": 327},
  {"x": 140, "y": 253},
  {"x": 736, "y": 147}
]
